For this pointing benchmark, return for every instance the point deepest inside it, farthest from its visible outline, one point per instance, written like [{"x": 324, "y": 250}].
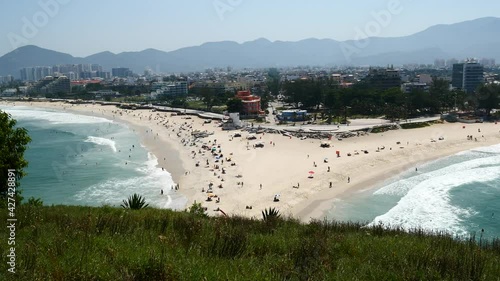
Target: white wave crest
[
  {"x": 427, "y": 205},
  {"x": 54, "y": 117},
  {"x": 102, "y": 141},
  {"x": 151, "y": 180},
  {"x": 403, "y": 186}
]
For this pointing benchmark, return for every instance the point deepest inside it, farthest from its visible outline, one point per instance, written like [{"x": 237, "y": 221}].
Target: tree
[
  {"x": 489, "y": 98},
  {"x": 439, "y": 91},
  {"x": 134, "y": 202},
  {"x": 208, "y": 97},
  {"x": 13, "y": 144},
  {"x": 197, "y": 210},
  {"x": 234, "y": 105}
]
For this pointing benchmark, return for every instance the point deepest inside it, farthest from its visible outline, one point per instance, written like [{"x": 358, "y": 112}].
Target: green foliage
[
  {"x": 273, "y": 81},
  {"x": 234, "y": 105},
  {"x": 36, "y": 202},
  {"x": 13, "y": 144},
  {"x": 135, "y": 202},
  {"x": 86, "y": 243},
  {"x": 489, "y": 97},
  {"x": 197, "y": 210},
  {"x": 415, "y": 125},
  {"x": 270, "y": 214},
  {"x": 367, "y": 99}
]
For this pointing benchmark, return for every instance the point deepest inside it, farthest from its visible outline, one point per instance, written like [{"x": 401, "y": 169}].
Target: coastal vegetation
[
  {"x": 13, "y": 144},
  {"x": 107, "y": 243},
  {"x": 134, "y": 202},
  {"x": 325, "y": 96}
]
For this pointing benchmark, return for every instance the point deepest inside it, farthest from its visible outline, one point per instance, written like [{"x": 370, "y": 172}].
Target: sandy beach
[{"x": 305, "y": 176}]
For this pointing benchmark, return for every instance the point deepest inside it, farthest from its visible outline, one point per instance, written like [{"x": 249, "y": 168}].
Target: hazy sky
[{"x": 82, "y": 28}]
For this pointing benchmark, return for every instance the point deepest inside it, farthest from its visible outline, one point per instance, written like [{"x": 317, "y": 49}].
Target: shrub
[{"x": 135, "y": 202}]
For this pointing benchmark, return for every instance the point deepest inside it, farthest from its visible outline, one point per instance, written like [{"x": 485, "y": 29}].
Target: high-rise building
[
  {"x": 467, "y": 76},
  {"x": 457, "y": 76},
  {"x": 28, "y": 74},
  {"x": 121, "y": 72},
  {"x": 96, "y": 67},
  {"x": 384, "y": 78},
  {"x": 439, "y": 63},
  {"x": 6, "y": 79},
  {"x": 451, "y": 62},
  {"x": 488, "y": 62},
  {"x": 177, "y": 88}
]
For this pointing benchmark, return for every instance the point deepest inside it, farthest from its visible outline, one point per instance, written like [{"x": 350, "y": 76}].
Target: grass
[
  {"x": 85, "y": 243},
  {"x": 200, "y": 105},
  {"x": 415, "y": 125}
]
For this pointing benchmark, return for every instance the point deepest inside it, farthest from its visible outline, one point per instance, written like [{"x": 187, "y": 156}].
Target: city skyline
[{"x": 91, "y": 27}]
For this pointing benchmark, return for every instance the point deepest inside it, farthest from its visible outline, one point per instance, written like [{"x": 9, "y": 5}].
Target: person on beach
[
  {"x": 348, "y": 179},
  {"x": 261, "y": 186},
  {"x": 161, "y": 192},
  {"x": 330, "y": 184}
]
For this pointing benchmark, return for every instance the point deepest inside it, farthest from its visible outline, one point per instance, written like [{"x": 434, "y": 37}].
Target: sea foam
[
  {"x": 102, "y": 141},
  {"x": 54, "y": 117},
  {"x": 427, "y": 204}
]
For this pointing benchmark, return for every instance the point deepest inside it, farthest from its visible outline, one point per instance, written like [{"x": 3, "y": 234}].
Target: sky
[{"x": 83, "y": 28}]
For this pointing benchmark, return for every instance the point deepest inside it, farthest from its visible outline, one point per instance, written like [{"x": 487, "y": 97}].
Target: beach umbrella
[{"x": 311, "y": 172}]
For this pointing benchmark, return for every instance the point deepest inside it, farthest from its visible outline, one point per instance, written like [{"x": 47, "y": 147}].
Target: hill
[
  {"x": 477, "y": 38},
  {"x": 84, "y": 243}
]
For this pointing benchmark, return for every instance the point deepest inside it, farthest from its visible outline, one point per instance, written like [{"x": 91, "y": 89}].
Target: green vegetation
[
  {"x": 415, "y": 125},
  {"x": 383, "y": 128},
  {"x": 13, "y": 143},
  {"x": 235, "y": 105},
  {"x": 135, "y": 202},
  {"x": 270, "y": 214},
  {"x": 84, "y": 243},
  {"x": 366, "y": 99}
]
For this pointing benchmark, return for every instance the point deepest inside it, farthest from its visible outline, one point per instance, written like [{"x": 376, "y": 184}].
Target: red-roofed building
[{"x": 251, "y": 103}]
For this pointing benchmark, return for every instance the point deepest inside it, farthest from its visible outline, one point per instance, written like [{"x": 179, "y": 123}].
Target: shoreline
[
  {"x": 318, "y": 208},
  {"x": 285, "y": 163}
]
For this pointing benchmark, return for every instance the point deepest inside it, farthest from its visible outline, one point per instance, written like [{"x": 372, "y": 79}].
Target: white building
[{"x": 9, "y": 93}]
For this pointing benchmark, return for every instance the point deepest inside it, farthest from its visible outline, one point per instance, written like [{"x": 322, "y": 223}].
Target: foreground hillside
[{"x": 83, "y": 243}]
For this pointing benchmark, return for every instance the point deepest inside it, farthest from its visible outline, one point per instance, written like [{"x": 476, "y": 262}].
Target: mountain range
[{"x": 478, "y": 38}]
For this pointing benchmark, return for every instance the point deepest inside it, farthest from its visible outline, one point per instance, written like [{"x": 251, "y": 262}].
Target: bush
[{"x": 135, "y": 202}]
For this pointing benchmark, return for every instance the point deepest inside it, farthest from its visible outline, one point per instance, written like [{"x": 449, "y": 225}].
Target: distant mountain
[
  {"x": 25, "y": 56},
  {"x": 477, "y": 38}
]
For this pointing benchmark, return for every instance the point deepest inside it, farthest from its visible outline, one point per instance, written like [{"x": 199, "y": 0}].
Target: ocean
[
  {"x": 83, "y": 160},
  {"x": 459, "y": 194}
]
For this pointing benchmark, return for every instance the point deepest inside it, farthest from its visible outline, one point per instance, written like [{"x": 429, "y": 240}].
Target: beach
[{"x": 306, "y": 177}]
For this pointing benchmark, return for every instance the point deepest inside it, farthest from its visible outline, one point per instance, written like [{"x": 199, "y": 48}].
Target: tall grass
[{"x": 83, "y": 243}]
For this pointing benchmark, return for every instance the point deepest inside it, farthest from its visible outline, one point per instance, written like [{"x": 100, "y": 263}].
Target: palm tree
[{"x": 134, "y": 202}]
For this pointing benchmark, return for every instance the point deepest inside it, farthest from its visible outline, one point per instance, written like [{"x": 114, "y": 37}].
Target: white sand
[{"x": 280, "y": 167}]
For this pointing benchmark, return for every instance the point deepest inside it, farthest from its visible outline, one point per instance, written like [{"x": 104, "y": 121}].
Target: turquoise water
[
  {"x": 458, "y": 194},
  {"x": 83, "y": 160}
]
